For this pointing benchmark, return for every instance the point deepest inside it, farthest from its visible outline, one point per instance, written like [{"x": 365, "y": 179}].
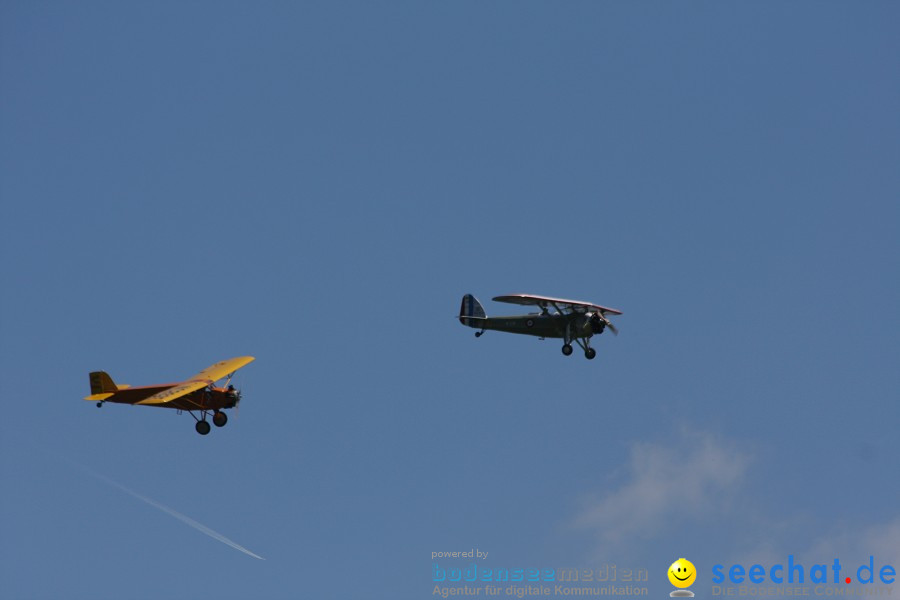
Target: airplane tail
[
  {"x": 102, "y": 383},
  {"x": 471, "y": 312}
]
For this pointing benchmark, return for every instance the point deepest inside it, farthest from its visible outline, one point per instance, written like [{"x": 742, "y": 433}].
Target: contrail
[{"x": 170, "y": 511}]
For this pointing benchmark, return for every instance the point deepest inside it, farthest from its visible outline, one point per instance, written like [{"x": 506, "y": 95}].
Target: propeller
[
  {"x": 238, "y": 394},
  {"x": 237, "y": 403},
  {"x": 607, "y": 322},
  {"x": 610, "y": 326}
]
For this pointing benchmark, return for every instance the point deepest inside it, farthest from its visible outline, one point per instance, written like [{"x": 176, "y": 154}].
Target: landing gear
[
  {"x": 219, "y": 419},
  {"x": 567, "y": 340},
  {"x": 590, "y": 353},
  {"x": 100, "y": 404},
  {"x": 479, "y": 333}
]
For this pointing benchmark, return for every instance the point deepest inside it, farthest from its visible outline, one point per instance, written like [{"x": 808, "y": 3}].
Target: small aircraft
[
  {"x": 570, "y": 320},
  {"x": 197, "y": 393}
]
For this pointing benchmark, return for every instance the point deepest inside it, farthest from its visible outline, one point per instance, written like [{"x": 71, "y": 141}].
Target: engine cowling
[{"x": 597, "y": 324}]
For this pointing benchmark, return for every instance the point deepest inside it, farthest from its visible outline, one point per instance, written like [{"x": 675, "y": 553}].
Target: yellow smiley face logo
[{"x": 682, "y": 573}]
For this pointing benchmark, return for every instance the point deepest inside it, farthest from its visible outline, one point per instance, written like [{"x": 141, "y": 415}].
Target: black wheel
[
  {"x": 99, "y": 405},
  {"x": 567, "y": 349},
  {"x": 202, "y": 427},
  {"x": 219, "y": 419},
  {"x": 590, "y": 353}
]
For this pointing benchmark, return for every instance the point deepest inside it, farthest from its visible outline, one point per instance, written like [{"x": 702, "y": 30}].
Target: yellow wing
[
  {"x": 200, "y": 380},
  {"x": 177, "y": 391},
  {"x": 221, "y": 369}
]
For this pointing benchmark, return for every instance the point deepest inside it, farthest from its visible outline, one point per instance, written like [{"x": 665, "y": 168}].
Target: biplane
[
  {"x": 195, "y": 394},
  {"x": 571, "y": 320}
]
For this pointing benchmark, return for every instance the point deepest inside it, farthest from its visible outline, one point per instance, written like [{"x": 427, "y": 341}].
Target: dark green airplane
[{"x": 570, "y": 320}]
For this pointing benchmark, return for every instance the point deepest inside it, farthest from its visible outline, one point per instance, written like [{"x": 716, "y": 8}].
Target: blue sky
[{"x": 317, "y": 185}]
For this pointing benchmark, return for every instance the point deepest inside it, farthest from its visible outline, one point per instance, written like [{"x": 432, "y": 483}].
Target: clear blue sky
[{"x": 317, "y": 185}]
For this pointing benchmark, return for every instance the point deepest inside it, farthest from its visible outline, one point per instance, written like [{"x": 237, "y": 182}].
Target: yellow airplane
[{"x": 197, "y": 393}]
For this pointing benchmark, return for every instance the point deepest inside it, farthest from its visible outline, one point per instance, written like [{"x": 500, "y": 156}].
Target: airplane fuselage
[
  {"x": 540, "y": 325},
  {"x": 205, "y": 399}
]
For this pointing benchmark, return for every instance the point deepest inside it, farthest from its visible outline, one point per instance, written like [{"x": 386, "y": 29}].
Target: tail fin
[
  {"x": 471, "y": 312},
  {"x": 102, "y": 383}
]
